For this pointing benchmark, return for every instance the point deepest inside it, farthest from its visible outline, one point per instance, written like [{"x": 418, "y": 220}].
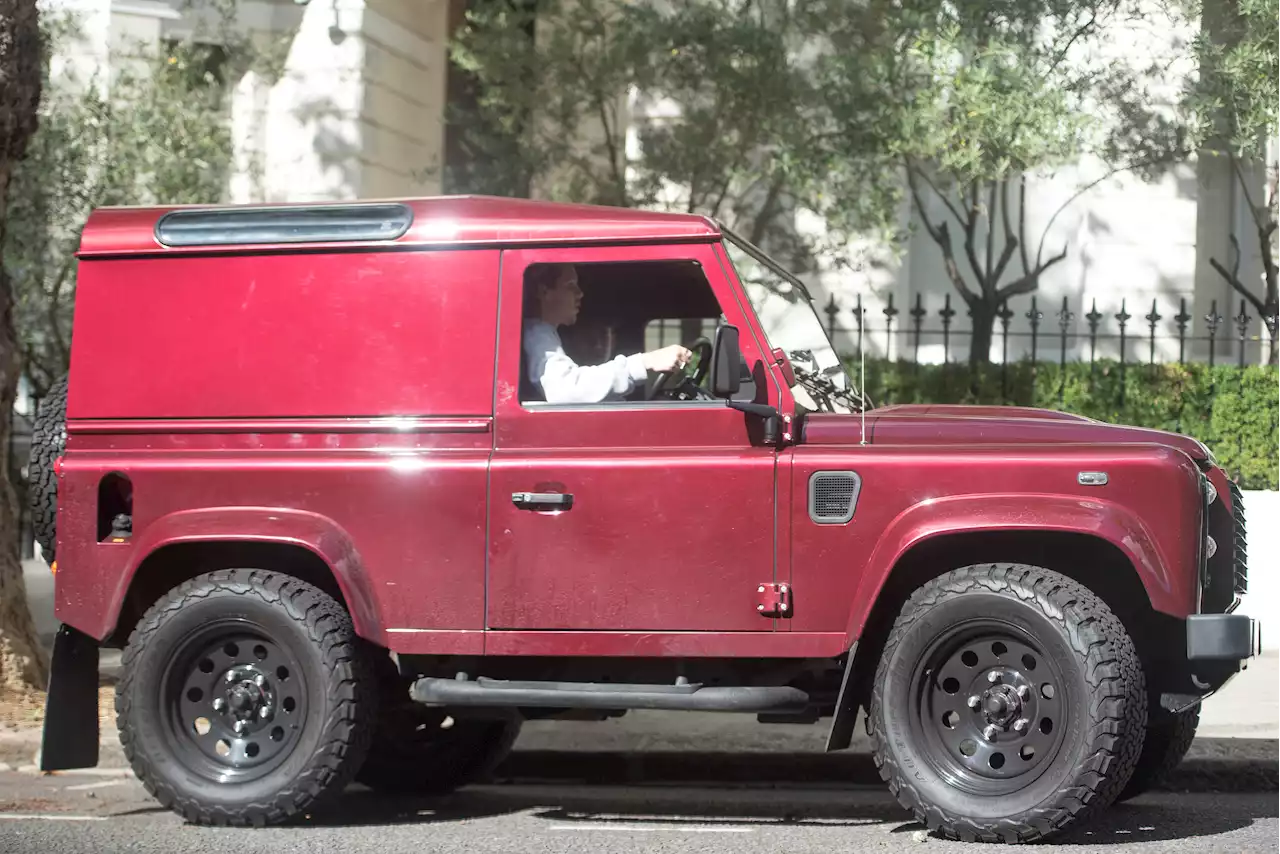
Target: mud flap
[
  {"x": 842, "y": 722},
  {"x": 70, "y": 738}
]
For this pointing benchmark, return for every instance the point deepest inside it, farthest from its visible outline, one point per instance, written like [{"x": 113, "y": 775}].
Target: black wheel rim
[
  {"x": 990, "y": 708},
  {"x": 234, "y": 702}
]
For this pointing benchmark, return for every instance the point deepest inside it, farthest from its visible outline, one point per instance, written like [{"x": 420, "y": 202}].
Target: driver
[{"x": 551, "y": 300}]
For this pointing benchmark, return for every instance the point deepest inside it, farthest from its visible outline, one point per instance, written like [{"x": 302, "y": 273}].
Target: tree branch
[
  {"x": 1244, "y": 185},
  {"x": 935, "y": 232},
  {"x": 943, "y": 240},
  {"x": 1151, "y": 161},
  {"x": 1233, "y": 278},
  {"x": 970, "y": 236},
  {"x": 1075, "y": 36},
  {"x": 991, "y": 229},
  {"x": 1028, "y": 282},
  {"x": 955, "y": 212},
  {"x": 1011, "y": 241}
]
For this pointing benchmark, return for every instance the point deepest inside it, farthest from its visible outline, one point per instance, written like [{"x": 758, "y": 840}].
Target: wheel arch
[
  {"x": 1088, "y": 559},
  {"x": 183, "y": 545}
]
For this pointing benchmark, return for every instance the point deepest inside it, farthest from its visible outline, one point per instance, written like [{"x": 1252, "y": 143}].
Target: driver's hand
[{"x": 666, "y": 359}]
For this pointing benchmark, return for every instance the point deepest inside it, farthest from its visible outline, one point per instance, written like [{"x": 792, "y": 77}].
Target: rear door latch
[{"x": 773, "y": 600}]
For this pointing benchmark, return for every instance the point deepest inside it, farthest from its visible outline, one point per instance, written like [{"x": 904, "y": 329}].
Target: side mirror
[{"x": 726, "y": 378}]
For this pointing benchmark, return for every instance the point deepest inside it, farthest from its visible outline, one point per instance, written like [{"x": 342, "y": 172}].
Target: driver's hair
[{"x": 539, "y": 279}]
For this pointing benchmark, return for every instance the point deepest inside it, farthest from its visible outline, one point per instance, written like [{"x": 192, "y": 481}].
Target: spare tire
[{"x": 48, "y": 440}]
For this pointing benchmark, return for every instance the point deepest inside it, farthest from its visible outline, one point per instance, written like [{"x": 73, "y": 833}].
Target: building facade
[{"x": 357, "y": 111}]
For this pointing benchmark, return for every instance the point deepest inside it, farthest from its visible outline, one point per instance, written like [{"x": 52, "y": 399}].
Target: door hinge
[{"x": 773, "y": 600}]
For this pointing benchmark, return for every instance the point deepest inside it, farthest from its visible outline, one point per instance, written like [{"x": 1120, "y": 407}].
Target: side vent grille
[{"x": 833, "y": 495}]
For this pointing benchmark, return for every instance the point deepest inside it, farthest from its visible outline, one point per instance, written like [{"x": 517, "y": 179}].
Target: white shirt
[{"x": 564, "y": 381}]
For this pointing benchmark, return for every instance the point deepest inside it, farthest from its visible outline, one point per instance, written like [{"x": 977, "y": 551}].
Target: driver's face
[{"x": 561, "y": 301}]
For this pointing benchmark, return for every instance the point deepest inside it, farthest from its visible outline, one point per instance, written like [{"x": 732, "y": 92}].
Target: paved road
[{"x": 100, "y": 815}]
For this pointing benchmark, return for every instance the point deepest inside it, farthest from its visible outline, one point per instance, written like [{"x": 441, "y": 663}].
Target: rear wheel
[
  {"x": 244, "y": 698},
  {"x": 1168, "y": 739},
  {"x": 421, "y": 751},
  {"x": 1008, "y": 703}
]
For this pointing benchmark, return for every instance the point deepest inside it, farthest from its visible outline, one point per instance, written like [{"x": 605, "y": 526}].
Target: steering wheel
[{"x": 677, "y": 380}]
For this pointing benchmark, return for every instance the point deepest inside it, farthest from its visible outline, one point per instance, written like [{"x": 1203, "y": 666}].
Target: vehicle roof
[{"x": 437, "y": 221}]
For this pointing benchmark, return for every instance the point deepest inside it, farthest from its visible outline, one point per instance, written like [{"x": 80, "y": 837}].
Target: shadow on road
[
  {"x": 1158, "y": 817},
  {"x": 1215, "y": 765},
  {"x": 656, "y": 806},
  {"x": 1148, "y": 819}
]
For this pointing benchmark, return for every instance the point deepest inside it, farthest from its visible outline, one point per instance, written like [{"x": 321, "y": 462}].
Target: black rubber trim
[
  {"x": 598, "y": 695},
  {"x": 70, "y": 737},
  {"x": 1220, "y": 636}
]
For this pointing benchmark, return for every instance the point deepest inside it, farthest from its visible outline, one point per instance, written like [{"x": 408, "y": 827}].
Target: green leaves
[
  {"x": 157, "y": 132},
  {"x": 1233, "y": 410}
]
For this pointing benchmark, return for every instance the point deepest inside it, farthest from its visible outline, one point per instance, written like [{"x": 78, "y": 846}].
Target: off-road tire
[
  {"x": 1104, "y": 703},
  {"x": 336, "y": 708},
  {"x": 401, "y": 761},
  {"x": 1168, "y": 739},
  {"x": 48, "y": 441}
]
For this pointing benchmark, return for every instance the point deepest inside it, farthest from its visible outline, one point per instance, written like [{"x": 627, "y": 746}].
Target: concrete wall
[
  {"x": 357, "y": 111},
  {"x": 354, "y": 108}
]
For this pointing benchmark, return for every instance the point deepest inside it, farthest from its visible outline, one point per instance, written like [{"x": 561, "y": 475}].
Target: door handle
[{"x": 542, "y": 500}]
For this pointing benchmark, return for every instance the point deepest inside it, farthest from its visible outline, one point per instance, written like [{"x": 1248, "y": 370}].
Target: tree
[
  {"x": 975, "y": 98},
  {"x": 22, "y": 662},
  {"x": 1234, "y": 113},
  {"x": 157, "y": 132},
  {"x": 736, "y": 117}
]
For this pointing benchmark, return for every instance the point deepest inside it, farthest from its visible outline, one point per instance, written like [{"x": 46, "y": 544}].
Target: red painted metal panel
[
  {"x": 1149, "y": 510},
  {"x": 414, "y": 517},
  {"x": 285, "y": 336}
]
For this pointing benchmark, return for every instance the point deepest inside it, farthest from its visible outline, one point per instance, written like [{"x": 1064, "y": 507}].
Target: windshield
[{"x": 791, "y": 321}]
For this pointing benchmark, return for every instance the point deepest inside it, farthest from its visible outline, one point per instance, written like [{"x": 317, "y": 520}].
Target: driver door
[{"x": 668, "y": 524}]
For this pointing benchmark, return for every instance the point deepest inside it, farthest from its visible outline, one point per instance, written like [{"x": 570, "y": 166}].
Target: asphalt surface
[{"x": 97, "y": 815}]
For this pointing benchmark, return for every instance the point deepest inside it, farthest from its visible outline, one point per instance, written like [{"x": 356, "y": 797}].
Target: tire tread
[
  {"x": 351, "y": 696},
  {"x": 1117, "y": 712}
]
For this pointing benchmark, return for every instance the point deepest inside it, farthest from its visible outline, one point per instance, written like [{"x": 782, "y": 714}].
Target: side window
[{"x": 591, "y": 333}]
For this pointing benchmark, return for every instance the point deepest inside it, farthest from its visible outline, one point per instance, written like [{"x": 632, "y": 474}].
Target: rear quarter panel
[
  {"x": 1149, "y": 510},
  {"x": 337, "y": 401}
]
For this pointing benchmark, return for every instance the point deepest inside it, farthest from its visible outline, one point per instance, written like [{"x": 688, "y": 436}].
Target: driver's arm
[{"x": 564, "y": 381}]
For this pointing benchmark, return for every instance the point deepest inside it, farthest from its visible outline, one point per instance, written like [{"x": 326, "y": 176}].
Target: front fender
[
  {"x": 312, "y": 531},
  {"x": 1156, "y": 563}
]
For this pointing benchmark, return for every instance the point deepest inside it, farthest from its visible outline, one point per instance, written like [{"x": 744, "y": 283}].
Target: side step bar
[{"x": 605, "y": 695}]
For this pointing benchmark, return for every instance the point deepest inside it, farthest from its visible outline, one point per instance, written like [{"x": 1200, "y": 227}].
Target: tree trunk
[
  {"x": 984, "y": 321},
  {"x": 22, "y": 660}
]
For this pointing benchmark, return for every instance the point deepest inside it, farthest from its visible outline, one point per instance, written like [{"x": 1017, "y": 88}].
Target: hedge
[{"x": 1233, "y": 410}]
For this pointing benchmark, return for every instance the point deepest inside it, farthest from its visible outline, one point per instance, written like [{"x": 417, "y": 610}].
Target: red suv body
[{"x": 329, "y": 402}]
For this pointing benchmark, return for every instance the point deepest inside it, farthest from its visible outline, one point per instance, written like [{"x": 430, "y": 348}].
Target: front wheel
[
  {"x": 1168, "y": 739},
  {"x": 1008, "y": 703},
  {"x": 245, "y": 698}
]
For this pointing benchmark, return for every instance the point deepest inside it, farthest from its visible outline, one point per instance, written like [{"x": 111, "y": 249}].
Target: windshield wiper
[{"x": 823, "y": 387}]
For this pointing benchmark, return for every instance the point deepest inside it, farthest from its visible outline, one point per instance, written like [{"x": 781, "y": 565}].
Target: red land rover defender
[{"x": 302, "y": 472}]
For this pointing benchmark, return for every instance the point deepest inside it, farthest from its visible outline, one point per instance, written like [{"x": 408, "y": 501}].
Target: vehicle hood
[{"x": 938, "y": 424}]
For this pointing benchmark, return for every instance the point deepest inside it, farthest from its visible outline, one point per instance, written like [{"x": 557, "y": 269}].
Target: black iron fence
[{"x": 1060, "y": 332}]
